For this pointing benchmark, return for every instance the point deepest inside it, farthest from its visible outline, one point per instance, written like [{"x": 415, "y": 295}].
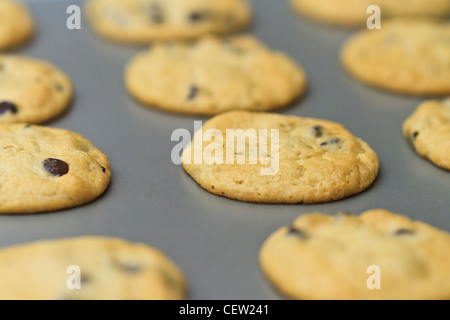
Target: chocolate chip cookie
[
  {"x": 16, "y": 24},
  {"x": 88, "y": 268},
  {"x": 271, "y": 158},
  {"x": 143, "y": 21},
  {"x": 378, "y": 255},
  {"x": 32, "y": 90},
  {"x": 406, "y": 56},
  {"x": 214, "y": 75},
  {"x": 428, "y": 130},
  {"x": 354, "y": 12},
  {"x": 46, "y": 169}
]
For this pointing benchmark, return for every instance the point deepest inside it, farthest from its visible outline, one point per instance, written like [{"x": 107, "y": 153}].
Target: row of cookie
[
  {"x": 317, "y": 257},
  {"x": 212, "y": 75},
  {"x": 43, "y": 169},
  {"x": 59, "y": 160}
]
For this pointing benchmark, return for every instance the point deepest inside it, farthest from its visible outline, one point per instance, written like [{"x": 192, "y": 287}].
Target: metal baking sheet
[{"x": 215, "y": 240}]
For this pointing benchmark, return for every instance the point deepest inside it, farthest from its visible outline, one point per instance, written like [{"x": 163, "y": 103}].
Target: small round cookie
[
  {"x": 143, "y": 21},
  {"x": 16, "y": 24},
  {"x": 428, "y": 129},
  {"x": 376, "y": 256},
  {"x": 88, "y": 268},
  {"x": 214, "y": 75},
  {"x": 405, "y": 56},
  {"x": 46, "y": 169},
  {"x": 349, "y": 13},
  {"x": 271, "y": 158},
  {"x": 31, "y": 90}
]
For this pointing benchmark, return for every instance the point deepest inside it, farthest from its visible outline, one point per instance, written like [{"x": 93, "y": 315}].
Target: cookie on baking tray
[
  {"x": 428, "y": 129},
  {"x": 405, "y": 56},
  {"x": 271, "y": 158},
  {"x": 16, "y": 24},
  {"x": 214, "y": 75},
  {"x": 107, "y": 269},
  {"x": 378, "y": 255},
  {"x": 46, "y": 169},
  {"x": 354, "y": 12},
  {"x": 32, "y": 90},
  {"x": 143, "y": 21}
]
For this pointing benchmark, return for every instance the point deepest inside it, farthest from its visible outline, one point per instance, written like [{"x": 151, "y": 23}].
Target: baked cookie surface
[
  {"x": 405, "y": 56},
  {"x": 214, "y": 75},
  {"x": 270, "y": 158},
  {"x": 108, "y": 269},
  {"x": 354, "y": 12},
  {"x": 32, "y": 90},
  {"x": 143, "y": 21},
  {"x": 47, "y": 169},
  {"x": 323, "y": 257},
  {"x": 428, "y": 129},
  {"x": 16, "y": 24}
]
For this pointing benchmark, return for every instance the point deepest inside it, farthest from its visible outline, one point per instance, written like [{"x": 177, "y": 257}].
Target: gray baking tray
[{"x": 215, "y": 240}]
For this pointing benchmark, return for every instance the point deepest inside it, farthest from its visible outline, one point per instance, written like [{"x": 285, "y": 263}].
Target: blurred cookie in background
[
  {"x": 16, "y": 24},
  {"x": 213, "y": 75},
  {"x": 353, "y": 13},
  {"x": 407, "y": 56},
  {"x": 143, "y": 21}
]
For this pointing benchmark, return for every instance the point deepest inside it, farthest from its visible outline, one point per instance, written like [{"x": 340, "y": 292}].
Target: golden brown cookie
[
  {"x": 405, "y": 56},
  {"x": 88, "y": 268},
  {"x": 428, "y": 129},
  {"x": 376, "y": 256},
  {"x": 271, "y": 158},
  {"x": 16, "y": 24},
  {"x": 354, "y": 12},
  {"x": 143, "y": 21},
  {"x": 46, "y": 169},
  {"x": 214, "y": 75},
  {"x": 32, "y": 90}
]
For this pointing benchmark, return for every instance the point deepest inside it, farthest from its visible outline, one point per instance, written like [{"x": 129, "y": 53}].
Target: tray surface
[{"x": 214, "y": 240}]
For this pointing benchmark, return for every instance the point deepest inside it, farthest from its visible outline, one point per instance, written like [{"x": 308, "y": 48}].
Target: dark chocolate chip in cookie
[
  {"x": 293, "y": 231},
  {"x": 7, "y": 106},
  {"x": 332, "y": 141},
  {"x": 55, "y": 167},
  {"x": 156, "y": 13},
  {"x": 317, "y": 131},
  {"x": 193, "y": 91},
  {"x": 403, "y": 232},
  {"x": 198, "y": 16}
]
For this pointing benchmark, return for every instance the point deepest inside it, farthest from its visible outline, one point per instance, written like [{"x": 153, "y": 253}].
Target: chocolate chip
[
  {"x": 59, "y": 87},
  {"x": 55, "y": 167},
  {"x": 403, "y": 232},
  {"x": 317, "y": 131},
  {"x": 156, "y": 13},
  {"x": 415, "y": 134},
  {"x": 332, "y": 141},
  {"x": 193, "y": 91},
  {"x": 103, "y": 169},
  {"x": 7, "y": 106},
  {"x": 293, "y": 231},
  {"x": 198, "y": 16}
]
